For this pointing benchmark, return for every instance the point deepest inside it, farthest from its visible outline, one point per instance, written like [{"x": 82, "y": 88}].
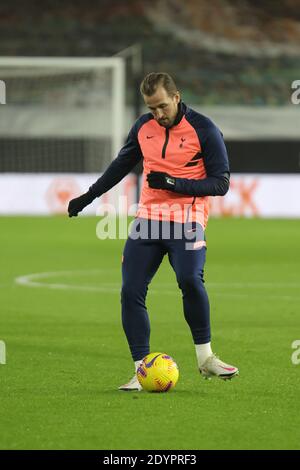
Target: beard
[{"x": 165, "y": 122}]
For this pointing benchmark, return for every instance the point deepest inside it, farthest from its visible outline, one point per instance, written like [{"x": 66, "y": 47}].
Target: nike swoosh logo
[
  {"x": 150, "y": 364},
  {"x": 150, "y": 136}
]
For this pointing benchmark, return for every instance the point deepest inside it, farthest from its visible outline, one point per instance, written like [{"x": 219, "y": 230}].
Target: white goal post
[{"x": 64, "y": 98}]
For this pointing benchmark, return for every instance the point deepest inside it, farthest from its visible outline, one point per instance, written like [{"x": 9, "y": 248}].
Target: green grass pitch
[{"x": 66, "y": 352}]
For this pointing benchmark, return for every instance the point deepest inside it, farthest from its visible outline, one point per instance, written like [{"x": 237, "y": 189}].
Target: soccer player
[{"x": 184, "y": 162}]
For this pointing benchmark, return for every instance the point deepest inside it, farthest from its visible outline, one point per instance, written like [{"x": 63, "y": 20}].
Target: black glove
[
  {"x": 76, "y": 205},
  {"x": 159, "y": 180}
]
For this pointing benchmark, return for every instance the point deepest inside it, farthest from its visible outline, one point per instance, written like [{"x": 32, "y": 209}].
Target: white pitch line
[
  {"x": 28, "y": 279},
  {"x": 32, "y": 280}
]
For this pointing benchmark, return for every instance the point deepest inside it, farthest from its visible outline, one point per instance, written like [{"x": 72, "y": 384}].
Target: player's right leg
[{"x": 141, "y": 259}]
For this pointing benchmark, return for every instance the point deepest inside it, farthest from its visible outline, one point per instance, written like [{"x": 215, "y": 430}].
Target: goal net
[{"x": 61, "y": 114}]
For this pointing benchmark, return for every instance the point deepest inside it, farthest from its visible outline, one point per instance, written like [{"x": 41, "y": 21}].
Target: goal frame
[{"x": 117, "y": 65}]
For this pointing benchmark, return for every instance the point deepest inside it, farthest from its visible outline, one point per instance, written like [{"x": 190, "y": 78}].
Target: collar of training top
[{"x": 180, "y": 113}]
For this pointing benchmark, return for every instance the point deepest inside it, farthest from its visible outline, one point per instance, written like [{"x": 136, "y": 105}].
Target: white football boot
[
  {"x": 132, "y": 386},
  {"x": 214, "y": 367}
]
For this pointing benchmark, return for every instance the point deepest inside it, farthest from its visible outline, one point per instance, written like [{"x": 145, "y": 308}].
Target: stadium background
[{"x": 232, "y": 60}]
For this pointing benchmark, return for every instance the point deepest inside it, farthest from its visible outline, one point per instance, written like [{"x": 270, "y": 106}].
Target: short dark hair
[{"x": 155, "y": 79}]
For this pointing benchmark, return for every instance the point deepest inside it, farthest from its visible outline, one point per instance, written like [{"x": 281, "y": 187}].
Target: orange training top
[{"x": 192, "y": 151}]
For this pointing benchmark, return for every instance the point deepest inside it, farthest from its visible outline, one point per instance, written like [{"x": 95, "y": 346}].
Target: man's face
[{"x": 163, "y": 107}]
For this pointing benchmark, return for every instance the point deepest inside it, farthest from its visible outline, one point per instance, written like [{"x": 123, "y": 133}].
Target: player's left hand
[{"x": 160, "y": 180}]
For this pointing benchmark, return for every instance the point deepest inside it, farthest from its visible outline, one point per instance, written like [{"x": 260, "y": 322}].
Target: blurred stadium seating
[{"x": 221, "y": 51}]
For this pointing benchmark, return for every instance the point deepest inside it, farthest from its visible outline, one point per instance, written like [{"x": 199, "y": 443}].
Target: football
[{"x": 158, "y": 372}]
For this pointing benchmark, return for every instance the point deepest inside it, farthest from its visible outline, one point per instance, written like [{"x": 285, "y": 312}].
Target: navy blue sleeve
[
  {"x": 210, "y": 186},
  {"x": 215, "y": 160},
  {"x": 129, "y": 155},
  {"x": 214, "y": 151}
]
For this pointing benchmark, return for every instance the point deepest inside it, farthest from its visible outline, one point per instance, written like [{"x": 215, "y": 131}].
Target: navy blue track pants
[{"x": 143, "y": 253}]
